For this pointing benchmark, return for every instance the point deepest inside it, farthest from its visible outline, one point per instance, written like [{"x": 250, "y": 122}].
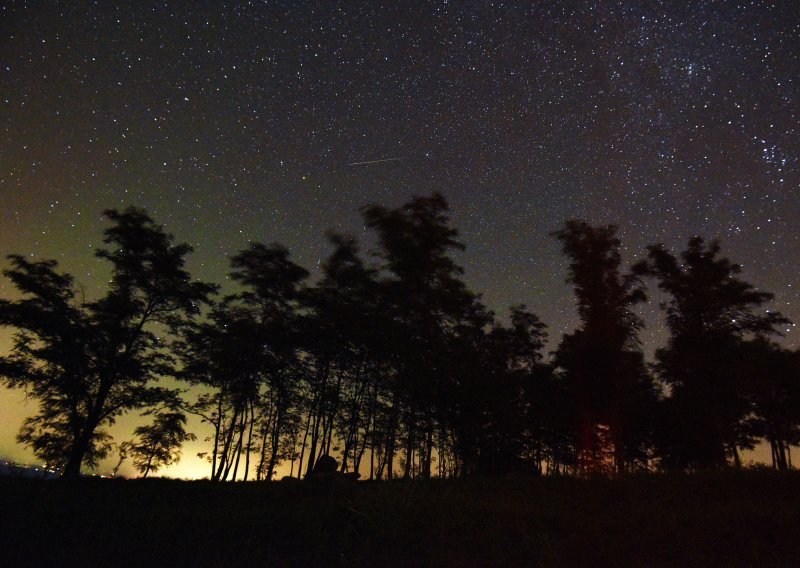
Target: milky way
[{"x": 233, "y": 123}]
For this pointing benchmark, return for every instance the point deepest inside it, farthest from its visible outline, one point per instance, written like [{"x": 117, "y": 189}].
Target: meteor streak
[{"x": 375, "y": 161}]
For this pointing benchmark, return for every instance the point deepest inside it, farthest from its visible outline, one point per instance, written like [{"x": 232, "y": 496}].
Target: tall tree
[
  {"x": 424, "y": 297},
  {"x": 513, "y": 366},
  {"x": 86, "y": 363},
  {"x": 470, "y": 396},
  {"x": 344, "y": 337},
  {"x": 602, "y": 361},
  {"x": 273, "y": 295},
  {"x": 249, "y": 354},
  {"x": 223, "y": 355},
  {"x": 710, "y": 312}
]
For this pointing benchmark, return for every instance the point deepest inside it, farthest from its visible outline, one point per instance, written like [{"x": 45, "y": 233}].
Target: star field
[{"x": 245, "y": 121}]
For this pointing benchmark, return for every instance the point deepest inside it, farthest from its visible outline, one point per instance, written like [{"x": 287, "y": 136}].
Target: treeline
[{"x": 392, "y": 365}]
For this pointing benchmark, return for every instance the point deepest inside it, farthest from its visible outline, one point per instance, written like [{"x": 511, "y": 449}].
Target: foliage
[
  {"x": 712, "y": 315},
  {"x": 247, "y": 354},
  {"x": 87, "y": 362},
  {"x": 388, "y": 362},
  {"x": 158, "y": 444},
  {"x": 612, "y": 394}
]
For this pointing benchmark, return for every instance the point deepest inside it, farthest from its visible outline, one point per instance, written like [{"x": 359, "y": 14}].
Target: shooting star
[{"x": 375, "y": 161}]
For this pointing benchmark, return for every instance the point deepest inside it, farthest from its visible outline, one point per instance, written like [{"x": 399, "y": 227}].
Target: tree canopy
[
  {"x": 88, "y": 361},
  {"x": 388, "y": 364}
]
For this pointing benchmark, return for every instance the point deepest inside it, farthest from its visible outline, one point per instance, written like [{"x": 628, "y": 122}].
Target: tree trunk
[
  {"x": 303, "y": 447},
  {"x": 318, "y": 409},
  {"x": 388, "y": 453},
  {"x": 774, "y": 453},
  {"x": 264, "y": 434},
  {"x": 276, "y": 438},
  {"x": 148, "y": 466},
  {"x": 425, "y": 464},
  {"x": 782, "y": 456},
  {"x": 249, "y": 442},
  {"x": 410, "y": 441},
  {"x": 72, "y": 469},
  {"x": 328, "y": 426},
  {"x": 224, "y": 456},
  {"x": 235, "y": 454},
  {"x": 217, "y": 432}
]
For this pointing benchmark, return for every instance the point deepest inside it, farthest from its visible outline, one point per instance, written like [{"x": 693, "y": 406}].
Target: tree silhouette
[
  {"x": 158, "y": 444},
  {"x": 392, "y": 359},
  {"x": 88, "y": 362},
  {"x": 424, "y": 297},
  {"x": 271, "y": 297},
  {"x": 710, "y": 314},
  {"x": 773, "y": 389},
  {"x": 510, "y": 442},
  {"x": 602, "y": 361},
  {"x": 344, "y": 337},
  {"x": 52, "y": 359},
  {"x": 248, "y": 353}
]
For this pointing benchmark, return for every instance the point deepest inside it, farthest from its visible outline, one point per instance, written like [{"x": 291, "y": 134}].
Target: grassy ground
[{"x": 741, "y": 519}]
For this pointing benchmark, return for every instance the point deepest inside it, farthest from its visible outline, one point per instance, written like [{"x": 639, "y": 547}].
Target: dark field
[{"x": 742, "y": 519}]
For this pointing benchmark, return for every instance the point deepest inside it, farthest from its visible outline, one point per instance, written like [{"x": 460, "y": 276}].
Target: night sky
[{"x": 276, "y": 121}]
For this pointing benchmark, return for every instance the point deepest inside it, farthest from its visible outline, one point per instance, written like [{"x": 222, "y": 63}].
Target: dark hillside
[{"x": 723, "y": 519}]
